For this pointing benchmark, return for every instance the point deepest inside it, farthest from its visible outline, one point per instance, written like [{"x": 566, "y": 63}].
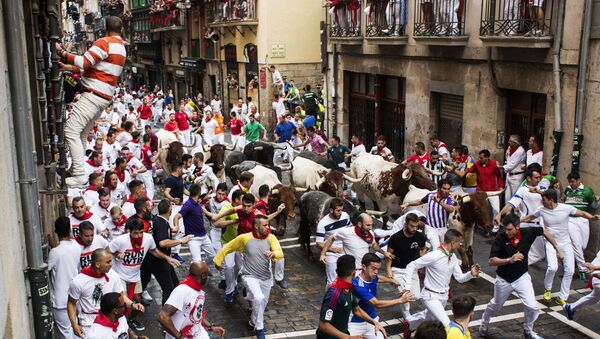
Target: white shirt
[
  {"x": 129, "y": 267},
  {"x": 353, "y": 244},
  {"x": 215, "y": 207},
  {"x": 534, "y": 158},
  {"x": 596, "y": 262},
  {"x": 514, "y": 161},
  {"x": 98, "y": 331},
  {"x": 114, "y": 118},
  {"x": 135, "y": 165},
  {"x": 215, "y": 105},
  {"x": 98, "y": 225},
  {"x": 89, "y": 169},
  {"x": 88, "y": 292},
  {"x": 209, "y": 128},
  {"x": 117, "y": 195},
  {"x": 158, "y": 104},
  {"x": 63, "y": 265},
  {"x": 128, "y": 209},
  {"x": 123, "y": 138},
  {"x": 329, "y": 227},
  {"x": 101, "y": 212},
  {"x": 398, "y": 225},
  {"x": 356, "y": 150},
  {"x": 90, "y": 197},
  {"x": 135, "y": 148},
  {"x": 113, "y": 230},
  {"x": 137, "y": 102},
  {"x": 277, "y": 79},
  {"x": 167, "y": 112},
  {"x": 279, "y": 108},
  {"x": 189, "y": 304},
  {"x": 110, "y": 152},
  {"x": 556, "y": 221},
  {"x": 85, "y": 257},
  {"x": 122, "y": 108},
  {"x": 439, "y": 267},
  {"x": 526, "y": 202}
]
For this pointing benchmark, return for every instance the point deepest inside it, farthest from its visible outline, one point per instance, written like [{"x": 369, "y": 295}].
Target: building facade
[{"x": 469, "y": 72}]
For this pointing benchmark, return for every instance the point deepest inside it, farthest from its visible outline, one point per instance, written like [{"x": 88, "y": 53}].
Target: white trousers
[
  {"x": 401, "y": 277},
  {"x": 146, "y": 178},
  {"x": 179, "y": 235},
  {"x": 85, "y": 111},
  {"x": 579, "y": 230},
  {"x": 435, "y": 236},
  {"x": 220, "y": 138},
  {"x": 62, "y": 323},
  {"x": 513, "y": 182},
  {"x": 199, "y": 244},
  {"x": 215, "y": 240},
  {"x": 503, "y": 289},
  {"x": 143, "y": 124},
  {"x": 365, "y": 329},
  {"x": 331, "y": 265},
  {"x": 278, "y": 271},
  {"x": 258, "y": 292},
  {"x": 590, "y": 299},
  {"x": 495, "y": 204},
  {"x": 434, "y": 309},
  {"x": 231, "y": 266},
  {"x": 239, "y": 142},
  {"x": 568, "y": 265}
]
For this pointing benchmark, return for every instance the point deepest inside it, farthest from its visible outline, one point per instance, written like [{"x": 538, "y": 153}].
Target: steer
[
  {"x": 233, "y": 159},
  {"x": 327, "y": 163},
  {"x": 170, "y": 150},
  {"x": 309, "y": 174},
  {"x": 279, "y": 194},
  {"x": 386, "y": 183},
  {"x": 213, "y": 155},
  {"x": 261, "y": 151}
]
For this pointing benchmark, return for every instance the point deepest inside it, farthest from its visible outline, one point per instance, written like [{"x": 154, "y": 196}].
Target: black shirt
[
  {"x": 160, "y": 232},
  {"x": 503, "y": 249},
  {"x": 310, "y": 100},
  {"x": 176, "y": 184},
  {"x": 405, "y": 249}
]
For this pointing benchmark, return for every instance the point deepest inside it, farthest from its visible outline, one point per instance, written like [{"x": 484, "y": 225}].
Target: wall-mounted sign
[
  {"x": 278, "y": 51},
  {"x": 262, "y": 77}
]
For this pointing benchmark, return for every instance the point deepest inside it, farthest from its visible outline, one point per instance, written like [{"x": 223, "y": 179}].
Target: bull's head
[
  {"x": 175, "y": 152},
  {"x": 332, "y": 183},
  {"x": 287, "y": 196},
  {"x": 217, "y": 157},
  {"x": 405, "y": 175},
  {"x": 474, "y": 209}
]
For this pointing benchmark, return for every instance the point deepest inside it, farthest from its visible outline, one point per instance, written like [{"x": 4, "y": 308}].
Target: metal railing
[
  {"x": 386, "y": 18},
  {"x": 233, "y": 11},
  {"x": 165, "y": 19},
  {"x": 531, "y": 18},
  {"x": 440, "y": 17},
  {"x": 345, "y": 18}
]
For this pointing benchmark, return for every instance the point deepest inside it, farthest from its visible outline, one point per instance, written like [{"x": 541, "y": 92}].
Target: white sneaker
[
  {"x": 532, "y": 335},
  {"x": 77, "y": 181},
  {"x": 496, "y": 229},
  {"x": 147, "y": 297},
  {"x": 483, "y": 329}
]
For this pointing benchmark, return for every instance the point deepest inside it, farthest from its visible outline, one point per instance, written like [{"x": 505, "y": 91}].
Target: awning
[{"x": 191, "y": 63}]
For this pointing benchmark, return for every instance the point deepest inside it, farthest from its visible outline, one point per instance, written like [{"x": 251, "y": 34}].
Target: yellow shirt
[{"x": 455, "y": 331}]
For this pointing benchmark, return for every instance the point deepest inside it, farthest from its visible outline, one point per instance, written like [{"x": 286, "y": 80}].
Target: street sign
[{"x": 262, "y": 77}]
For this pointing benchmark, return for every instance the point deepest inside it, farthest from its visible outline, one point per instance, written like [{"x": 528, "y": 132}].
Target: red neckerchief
[
  {"x": 91, "y": 188},
  {"x": 516, "y": 239},
  {"x": 136, "y": 243},
  {"x": 135, "y": 141},
  {"x": 92, "y": 163},
  {"x": 189, "y": 281},
  {"x": 366, "y": 237},
  {"x": 122, "y": 222},
  {"x": 536, "y": 150},
  {"x": 89, "y": 271},
  {"x": 220, "y": 201},
  {"x": 85, "y": 216},
  {"x": 461, "y": 158},
  {"x": 358, "y": 143},
  {"x": 120, "y": 175},
  {"x": 79, "y": 241},
  {"x": 103, "y": 320},
  {"x": 257, "y": 236},
  {"x": 380, "y": 151},
  {"x": 446, "y": 253},
  {"x": 276, "y": 100},
  {"x": 340, "y": 283},
  {"x": 512, "y": 149},
  {"x": 207, "y": 120},
  {"x": 130, "y": 199}
]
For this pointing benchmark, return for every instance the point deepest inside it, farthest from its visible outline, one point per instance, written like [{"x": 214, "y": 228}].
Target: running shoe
[
  {"x": 483, "y": 329},
  {"x": 583, "y": 276},
  {"x": 228, "y": 298},
  {"x": 136, "y": 325},
  {"x": 147, "y": 297},
  {"x": 177, "y": 257},
  {"x": 547, "y": 295},
  {"x": 560, "y": 301},
  {"x": 532, "y": 335},
  {"x": 222, "y": 284},
  {"x": 570, "y": 313},
  {"x": 282, "y": 283}
]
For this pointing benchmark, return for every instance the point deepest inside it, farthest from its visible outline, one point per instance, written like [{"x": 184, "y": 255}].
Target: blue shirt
[
  {"x": 309, "y": 121},
  {"x": 193, "y": 218},
  {"x": 285, "y": 131},
  {"x": 365, "y": 291}
]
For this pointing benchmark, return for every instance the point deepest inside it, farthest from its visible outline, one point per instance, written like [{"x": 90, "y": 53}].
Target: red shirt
[
  {"x": 236, "y": 126},
  {"x": 245, "y": 224},
  {"x": 262, "y": 206},
  {"x": 417, "y": 158},
  {"x": 488, "y": 176},
  {"x": 145, "y": 112},
  {"x": 171, "y": 126},
  {"x": 146, "y": 156},
  {"x": 182, "y": 121}
]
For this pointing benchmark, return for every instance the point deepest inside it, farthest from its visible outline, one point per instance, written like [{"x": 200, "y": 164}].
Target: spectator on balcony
[
  {"x": 512, "y": 16},
  {"x": 427, "y": 15},
  {"x": 536, "y": 13},
  {"x": 396, "y": 11},
  {"x": 448, "y": 17}
]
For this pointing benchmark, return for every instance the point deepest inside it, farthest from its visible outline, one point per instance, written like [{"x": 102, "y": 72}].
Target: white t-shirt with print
[
  {"x": 128, "y": 268},
  {"x": 88, "y": 292},
  {"x": 85, "y": 257},
  {"x": 94, "y": 219},
  {"x": 189, "y": 304},
  {"x": 101, "y": 212}
]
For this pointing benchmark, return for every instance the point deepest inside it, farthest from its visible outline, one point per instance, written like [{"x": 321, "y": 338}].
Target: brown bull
[{"x": 286, "y": 195}]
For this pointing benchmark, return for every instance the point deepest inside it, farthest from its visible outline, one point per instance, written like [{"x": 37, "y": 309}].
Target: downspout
[
  {"x": 37, "y": 272},
  {"x": 334, "y": 96},
  {"x": 582, "y": 86},
  {"x": 558, "y": 132}
]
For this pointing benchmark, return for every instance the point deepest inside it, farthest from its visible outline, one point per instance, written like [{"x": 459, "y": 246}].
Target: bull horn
[
  {"x": 230, "y": 147},
  {"x": 353, "y": 180},
  {"x": 494, "y": 193},
  {"x": 165, "y": 147},
  {"x": 209, "y": 164},
  {"x": 275, "y": 146},
  {"x": 407, "y": 174},
  {"x": 300, "y": 189},
  {"x": 275, "y": 191},
  {"x": 258, "y": 148},
  {"x": 466, "y": 199},
  {"x": 204, "y": 148},
  {"x": 235, "y": 166},
  {"x": 376, "y": 213}
]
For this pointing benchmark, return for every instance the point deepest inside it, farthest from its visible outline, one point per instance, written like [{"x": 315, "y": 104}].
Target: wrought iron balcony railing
[
  {"x": 344, "y": 18},
  {"x": 232, "y": 11},
  {"x": 164, "y": 20},
  {"x": 531, "y": 18},
  {"x": 440, "y": 17},
  {"x": 386, "y": 18}
]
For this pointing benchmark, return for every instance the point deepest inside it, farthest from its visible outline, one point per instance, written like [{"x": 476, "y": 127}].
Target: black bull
[{"x": 260, "y": 151}]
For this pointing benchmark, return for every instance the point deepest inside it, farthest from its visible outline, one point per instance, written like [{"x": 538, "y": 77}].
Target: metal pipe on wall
[
  {"x": 582, "y": 85},
  {"x": 558, "y": 132},
  {"x": 37, "y": 270}
]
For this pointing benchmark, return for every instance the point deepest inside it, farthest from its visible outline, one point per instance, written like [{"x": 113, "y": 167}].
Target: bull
[
  {"x": 327, "y": 163},
  {"x": 309, "y": 174},
  {"x": 214, "y": 156},
  {"x": 262, "y": 152},
  {"x": 170, "y": 150},
  {"x": 233, "y": 159}
]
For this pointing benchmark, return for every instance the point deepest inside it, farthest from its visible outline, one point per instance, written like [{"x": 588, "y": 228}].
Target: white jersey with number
[{"x": 88, "y": 292}]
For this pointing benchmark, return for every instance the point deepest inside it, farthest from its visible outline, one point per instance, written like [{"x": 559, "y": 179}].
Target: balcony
[
  {"x": 140, "y": 27},
  {"x": 440, "y": 22},
  {"x": 516, "y": 23},
  {"x": 386, "y": 21},
  {"x": 345, "y": 21},
  {"x": 166, "y": 19},
  {"x": 223, "y": 13}
]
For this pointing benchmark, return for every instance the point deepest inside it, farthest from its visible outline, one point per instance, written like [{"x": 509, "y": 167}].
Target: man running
[
  {"x": 335, "y": 221},
  {"x": 509, "y": 252},
  {"x": 102, "y": 65}
]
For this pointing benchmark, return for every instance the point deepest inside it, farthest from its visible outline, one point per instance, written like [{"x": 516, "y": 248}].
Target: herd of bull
[{"x": 314, "y": 180}]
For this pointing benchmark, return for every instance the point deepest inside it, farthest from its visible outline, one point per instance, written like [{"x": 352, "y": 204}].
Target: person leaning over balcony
[{"x": 102, "y": 65}]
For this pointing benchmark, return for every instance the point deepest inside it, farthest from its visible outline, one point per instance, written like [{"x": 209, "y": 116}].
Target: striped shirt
[
  {"x": 437, "y": 216},
  {"x": 438, "y": 167},
  {"x": 102, "y": 65},
  {"x": 329, "y": 226}
]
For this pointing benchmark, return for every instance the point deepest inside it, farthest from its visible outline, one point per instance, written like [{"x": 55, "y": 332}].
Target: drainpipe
[
  {"x": 37, "y": 272},
  {"x": 582, "y": 86},
  {"x": 558, "y": 132},
  {"x": 334, "y": 97}
]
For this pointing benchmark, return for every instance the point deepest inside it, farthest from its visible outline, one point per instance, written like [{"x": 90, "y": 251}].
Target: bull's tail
[{"x": 304, "y": 230}]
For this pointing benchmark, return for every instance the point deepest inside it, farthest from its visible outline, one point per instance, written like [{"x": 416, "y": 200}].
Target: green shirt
[
  {"x": 230, "y": 231},
  {"x": 252, "y": 131},
  {"x": 336, "y": 309},
  {"x": 581, "y": 197}
]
